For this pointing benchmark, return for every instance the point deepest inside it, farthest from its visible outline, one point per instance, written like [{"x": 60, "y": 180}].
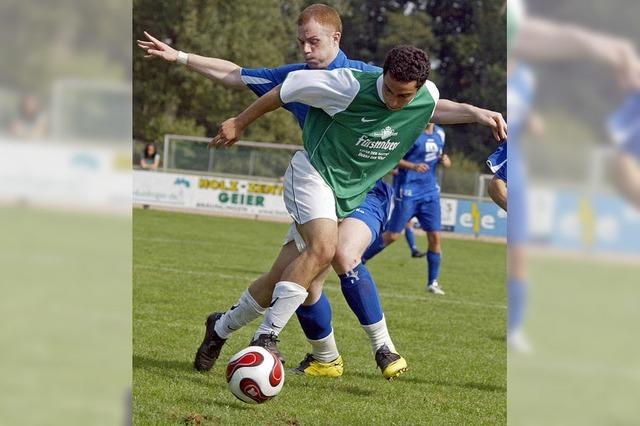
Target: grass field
[
  {"x": 65, "y": 312},
  {"x": 583, "y": 324},
  {"x": 186, "y": 266}
]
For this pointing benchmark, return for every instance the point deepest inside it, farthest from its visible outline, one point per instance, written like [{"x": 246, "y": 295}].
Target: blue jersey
[
  {"x": 262, "y": 80},
  {"x": 426, "y": 149},
  {"x": 520, "y": 92},
  {"x": 624, "y": 125}
]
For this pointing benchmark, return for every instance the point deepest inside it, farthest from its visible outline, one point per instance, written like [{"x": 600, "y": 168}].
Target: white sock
[
  {"x": 379, "y": 335},
  {"x": 325, "y": 349},
  {"x": 239, "y": 315},
  {"x": 287, "y": 296}
]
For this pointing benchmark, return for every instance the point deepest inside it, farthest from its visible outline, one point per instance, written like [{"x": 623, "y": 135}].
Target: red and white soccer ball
[{"x": 255, "y": 375}]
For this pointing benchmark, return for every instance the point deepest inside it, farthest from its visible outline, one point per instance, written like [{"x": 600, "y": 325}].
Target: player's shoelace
[
  {"x": 269, "y": 342},
  {"x": 384, "y": 357}
]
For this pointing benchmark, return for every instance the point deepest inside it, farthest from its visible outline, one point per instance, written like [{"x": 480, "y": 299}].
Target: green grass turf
[
  {"x": 186, "y": 266},
  {"x": 582, "y": 322},
  {"x": 65, "y": 312}
]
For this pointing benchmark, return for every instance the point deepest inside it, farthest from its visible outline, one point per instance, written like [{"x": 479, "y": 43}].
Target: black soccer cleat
[
  {"x": 390, "y": 363},
  {"x": 209, "y": 350},
  {"x": 269, "y": 342},
  {"x": 416, "y": 253}
]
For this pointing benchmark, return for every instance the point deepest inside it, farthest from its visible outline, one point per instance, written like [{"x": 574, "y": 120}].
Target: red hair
[{"x": 322, "y": 14}]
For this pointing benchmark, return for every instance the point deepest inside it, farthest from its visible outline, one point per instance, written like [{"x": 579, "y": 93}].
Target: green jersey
[{"x": 350, "y": 135}]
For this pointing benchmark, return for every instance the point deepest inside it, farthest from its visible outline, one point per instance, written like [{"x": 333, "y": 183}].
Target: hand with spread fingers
[{"x": 154, "y": 48}]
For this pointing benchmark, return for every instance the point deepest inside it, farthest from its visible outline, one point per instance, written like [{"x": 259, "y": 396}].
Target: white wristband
[{"x": 183, "y": 57}]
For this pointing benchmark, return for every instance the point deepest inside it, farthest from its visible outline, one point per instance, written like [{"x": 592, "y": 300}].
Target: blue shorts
[
  {"x": 623, "y": 125},
  {"x": 502, "y": 172},
  {"x": 497, "y": 161},
  {"x": 425, "y": 209},
  {"x": 374, "y": 210}
]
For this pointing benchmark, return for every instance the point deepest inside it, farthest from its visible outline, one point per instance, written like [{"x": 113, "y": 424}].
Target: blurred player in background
[
  {"x": 624, "y": 128},
  {"x": 417, "y": 194},
  {"x": 410, "y": 238},
  {"x": 534, "y": 39}
]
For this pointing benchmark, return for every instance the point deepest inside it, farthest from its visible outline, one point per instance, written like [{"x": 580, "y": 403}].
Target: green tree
[{"x": 238, "y": 31}]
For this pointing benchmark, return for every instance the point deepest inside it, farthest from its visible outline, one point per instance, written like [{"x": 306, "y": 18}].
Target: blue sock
[
  {"x": 361, "y": 294},
  {"x": 411, "y": 239},
  {"x": 315, "y": 319},
  {"x": 374, "y": 248},
  {"x": 517, "y": 290},
  {"x": 433, "y": 265}
]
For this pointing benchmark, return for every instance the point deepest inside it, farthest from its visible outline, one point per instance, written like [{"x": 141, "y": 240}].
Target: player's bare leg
[
  {"x": 498, "y": 192},
  {"x": 251, "y": 305},
  {"x": 321, "y": 238}
]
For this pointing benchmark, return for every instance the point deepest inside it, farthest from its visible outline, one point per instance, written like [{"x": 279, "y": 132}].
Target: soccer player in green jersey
[{"x": 359, "y": 127}]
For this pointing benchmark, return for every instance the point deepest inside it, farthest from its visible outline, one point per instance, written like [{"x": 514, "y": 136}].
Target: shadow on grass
[
  {"x": 466, "y": 385},
  {"x": 162, "y": 364}
]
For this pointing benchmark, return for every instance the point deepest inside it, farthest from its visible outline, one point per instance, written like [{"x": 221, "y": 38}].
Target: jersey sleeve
[
  {"x": 435, "y": 95},
  {"x": 440, "y": 132},
  {"x": 332, "y": 91},
  {"x": 261, "y": 80}
]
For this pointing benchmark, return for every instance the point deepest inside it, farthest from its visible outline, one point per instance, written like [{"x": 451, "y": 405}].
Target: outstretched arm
[
  {"x": 231, "y": 129},
  {"x": 449, "y": 112},
  {"x": 218, "y": 70},
  {"x": 541, "y": 39},
  {"x": 331, "y": 91}
]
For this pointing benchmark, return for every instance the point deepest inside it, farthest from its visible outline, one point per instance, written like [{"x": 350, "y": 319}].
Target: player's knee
[
  {"x": 392, "y": 237},
  {"x": 345, "y": 259},
  {"x": 322, "y": 252}
]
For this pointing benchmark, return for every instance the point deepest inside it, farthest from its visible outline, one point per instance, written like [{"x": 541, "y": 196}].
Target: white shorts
[{"x": 306, "y": 197}]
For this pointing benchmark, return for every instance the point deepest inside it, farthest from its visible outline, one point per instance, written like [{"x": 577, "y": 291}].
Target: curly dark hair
[{"x": 407, "y": 63}]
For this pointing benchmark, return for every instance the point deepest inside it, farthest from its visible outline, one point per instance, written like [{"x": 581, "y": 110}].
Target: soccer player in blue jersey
[
  {"x": 417, "y": 194},
  {"x": 536, "y": 39},
  {"x": 319, "y": 32},
  {"x": 624, "y": 128}
]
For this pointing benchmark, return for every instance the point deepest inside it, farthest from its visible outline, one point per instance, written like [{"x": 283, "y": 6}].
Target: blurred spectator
[
  {"x": 30, "y": 121},
  {"x": 150, "y": 158}
]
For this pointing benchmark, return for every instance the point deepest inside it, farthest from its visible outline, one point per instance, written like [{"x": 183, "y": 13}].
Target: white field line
[{"x": 331, "y": 288}]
